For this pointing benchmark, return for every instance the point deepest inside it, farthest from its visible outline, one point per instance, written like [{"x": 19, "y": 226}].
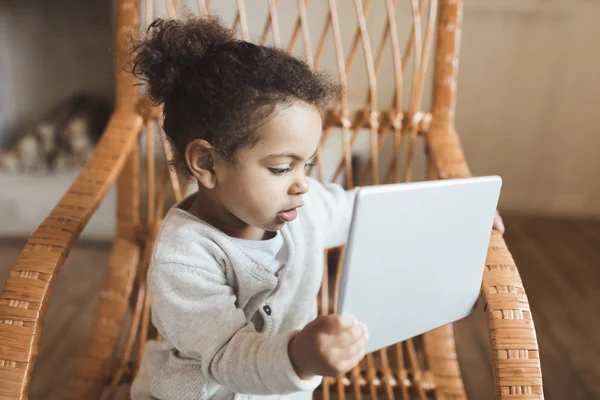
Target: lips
[{"x": 289, "y": 215}]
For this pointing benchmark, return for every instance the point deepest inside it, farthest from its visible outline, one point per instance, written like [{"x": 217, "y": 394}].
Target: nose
[{"x": 299, "y": 187}]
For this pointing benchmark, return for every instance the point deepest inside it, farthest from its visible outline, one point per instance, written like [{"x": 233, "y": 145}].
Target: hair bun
[{"x": 173, "y": 46}]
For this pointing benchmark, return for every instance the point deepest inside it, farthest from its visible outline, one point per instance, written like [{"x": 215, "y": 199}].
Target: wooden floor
[{"x": 559, "y": 261}]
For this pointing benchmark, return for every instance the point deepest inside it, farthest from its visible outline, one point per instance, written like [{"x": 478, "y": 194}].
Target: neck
[{"x": 209, "y": 209}]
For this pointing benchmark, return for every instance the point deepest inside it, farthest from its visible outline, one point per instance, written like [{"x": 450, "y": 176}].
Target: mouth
[{"x": 290, "y": 214}]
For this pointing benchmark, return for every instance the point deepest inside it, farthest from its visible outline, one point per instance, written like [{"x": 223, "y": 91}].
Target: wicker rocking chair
[{"x": 377, "y": 141}]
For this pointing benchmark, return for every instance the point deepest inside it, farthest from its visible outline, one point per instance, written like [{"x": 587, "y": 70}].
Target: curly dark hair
[{"x": 218, "y": 88}]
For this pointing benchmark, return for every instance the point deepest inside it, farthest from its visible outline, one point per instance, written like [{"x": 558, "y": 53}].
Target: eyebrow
[{"x": 290, "y": 155}]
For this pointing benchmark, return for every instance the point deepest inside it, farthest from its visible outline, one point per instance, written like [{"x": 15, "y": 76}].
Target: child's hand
[
  {"x": 329, "y": 346},
  {"x": 498, "y": 223}
]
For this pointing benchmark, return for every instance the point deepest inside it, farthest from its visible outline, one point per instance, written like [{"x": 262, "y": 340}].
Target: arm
[{"x": 195, "y": 309}]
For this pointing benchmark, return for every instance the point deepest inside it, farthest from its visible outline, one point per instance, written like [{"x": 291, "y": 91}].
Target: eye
[
  {"x": 279, "y": 171},
  {"x": 309, "y": 165}
]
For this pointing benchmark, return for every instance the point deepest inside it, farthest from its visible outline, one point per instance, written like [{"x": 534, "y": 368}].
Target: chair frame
[{"x": 116, "y": 161}]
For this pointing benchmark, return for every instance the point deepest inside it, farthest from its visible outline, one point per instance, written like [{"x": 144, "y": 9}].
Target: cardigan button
[{"x": 267, "y": 310}]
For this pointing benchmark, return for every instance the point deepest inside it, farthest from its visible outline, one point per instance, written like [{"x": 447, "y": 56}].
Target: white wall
[
  {"x": 529, "y": 101},
  {"x": 28, "y": 198}
]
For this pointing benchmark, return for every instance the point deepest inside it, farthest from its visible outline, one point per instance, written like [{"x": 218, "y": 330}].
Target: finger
[
  {"x": 346, "y": 321},
  {"x": 498, "y": 223},
  {"x": 350, "y": 353},
  {"x": 333, "y": 324},
  {"x": 349, "y": 337},
  {"x": 350, "y": 357},
  {"x": 358, "y": 350}
]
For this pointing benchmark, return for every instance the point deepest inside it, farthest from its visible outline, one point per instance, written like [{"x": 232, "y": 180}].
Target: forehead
[{"x": 295, "y": 128}]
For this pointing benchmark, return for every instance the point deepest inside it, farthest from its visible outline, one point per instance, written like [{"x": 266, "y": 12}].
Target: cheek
[
  {"x": 255, "y": 196},
  {"x": 267, "y": 192}
]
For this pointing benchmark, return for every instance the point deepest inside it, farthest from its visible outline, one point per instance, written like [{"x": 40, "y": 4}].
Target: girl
[{"x": 237, "y": 265}]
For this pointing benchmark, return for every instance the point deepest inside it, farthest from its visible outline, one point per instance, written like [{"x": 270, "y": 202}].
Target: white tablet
[{"x": 415, "y": 256}]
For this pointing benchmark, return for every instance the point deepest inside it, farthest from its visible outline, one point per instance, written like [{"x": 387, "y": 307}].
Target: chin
[{"x": 275, "y": 226}]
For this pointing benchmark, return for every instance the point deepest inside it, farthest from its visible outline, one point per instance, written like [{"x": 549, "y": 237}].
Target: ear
[{"x": 200, "y": 159}]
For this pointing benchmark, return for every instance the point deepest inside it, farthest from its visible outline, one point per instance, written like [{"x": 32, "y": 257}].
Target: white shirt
[{"x": 272, "y": 253}]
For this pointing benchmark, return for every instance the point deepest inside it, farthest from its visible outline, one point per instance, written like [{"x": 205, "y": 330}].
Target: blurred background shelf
[{"x": 27, "y": 198}]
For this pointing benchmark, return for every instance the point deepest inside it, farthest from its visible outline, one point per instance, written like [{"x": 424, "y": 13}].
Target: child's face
[{"x": 265, "y": 185}]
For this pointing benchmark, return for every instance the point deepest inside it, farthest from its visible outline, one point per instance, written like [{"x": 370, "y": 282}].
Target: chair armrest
[
  {"x": 515, "y": 351},
  {"x": 517, "y": 369},
  {"x": 447, "y": 157},
  {"x": 27, "y": 292}
]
